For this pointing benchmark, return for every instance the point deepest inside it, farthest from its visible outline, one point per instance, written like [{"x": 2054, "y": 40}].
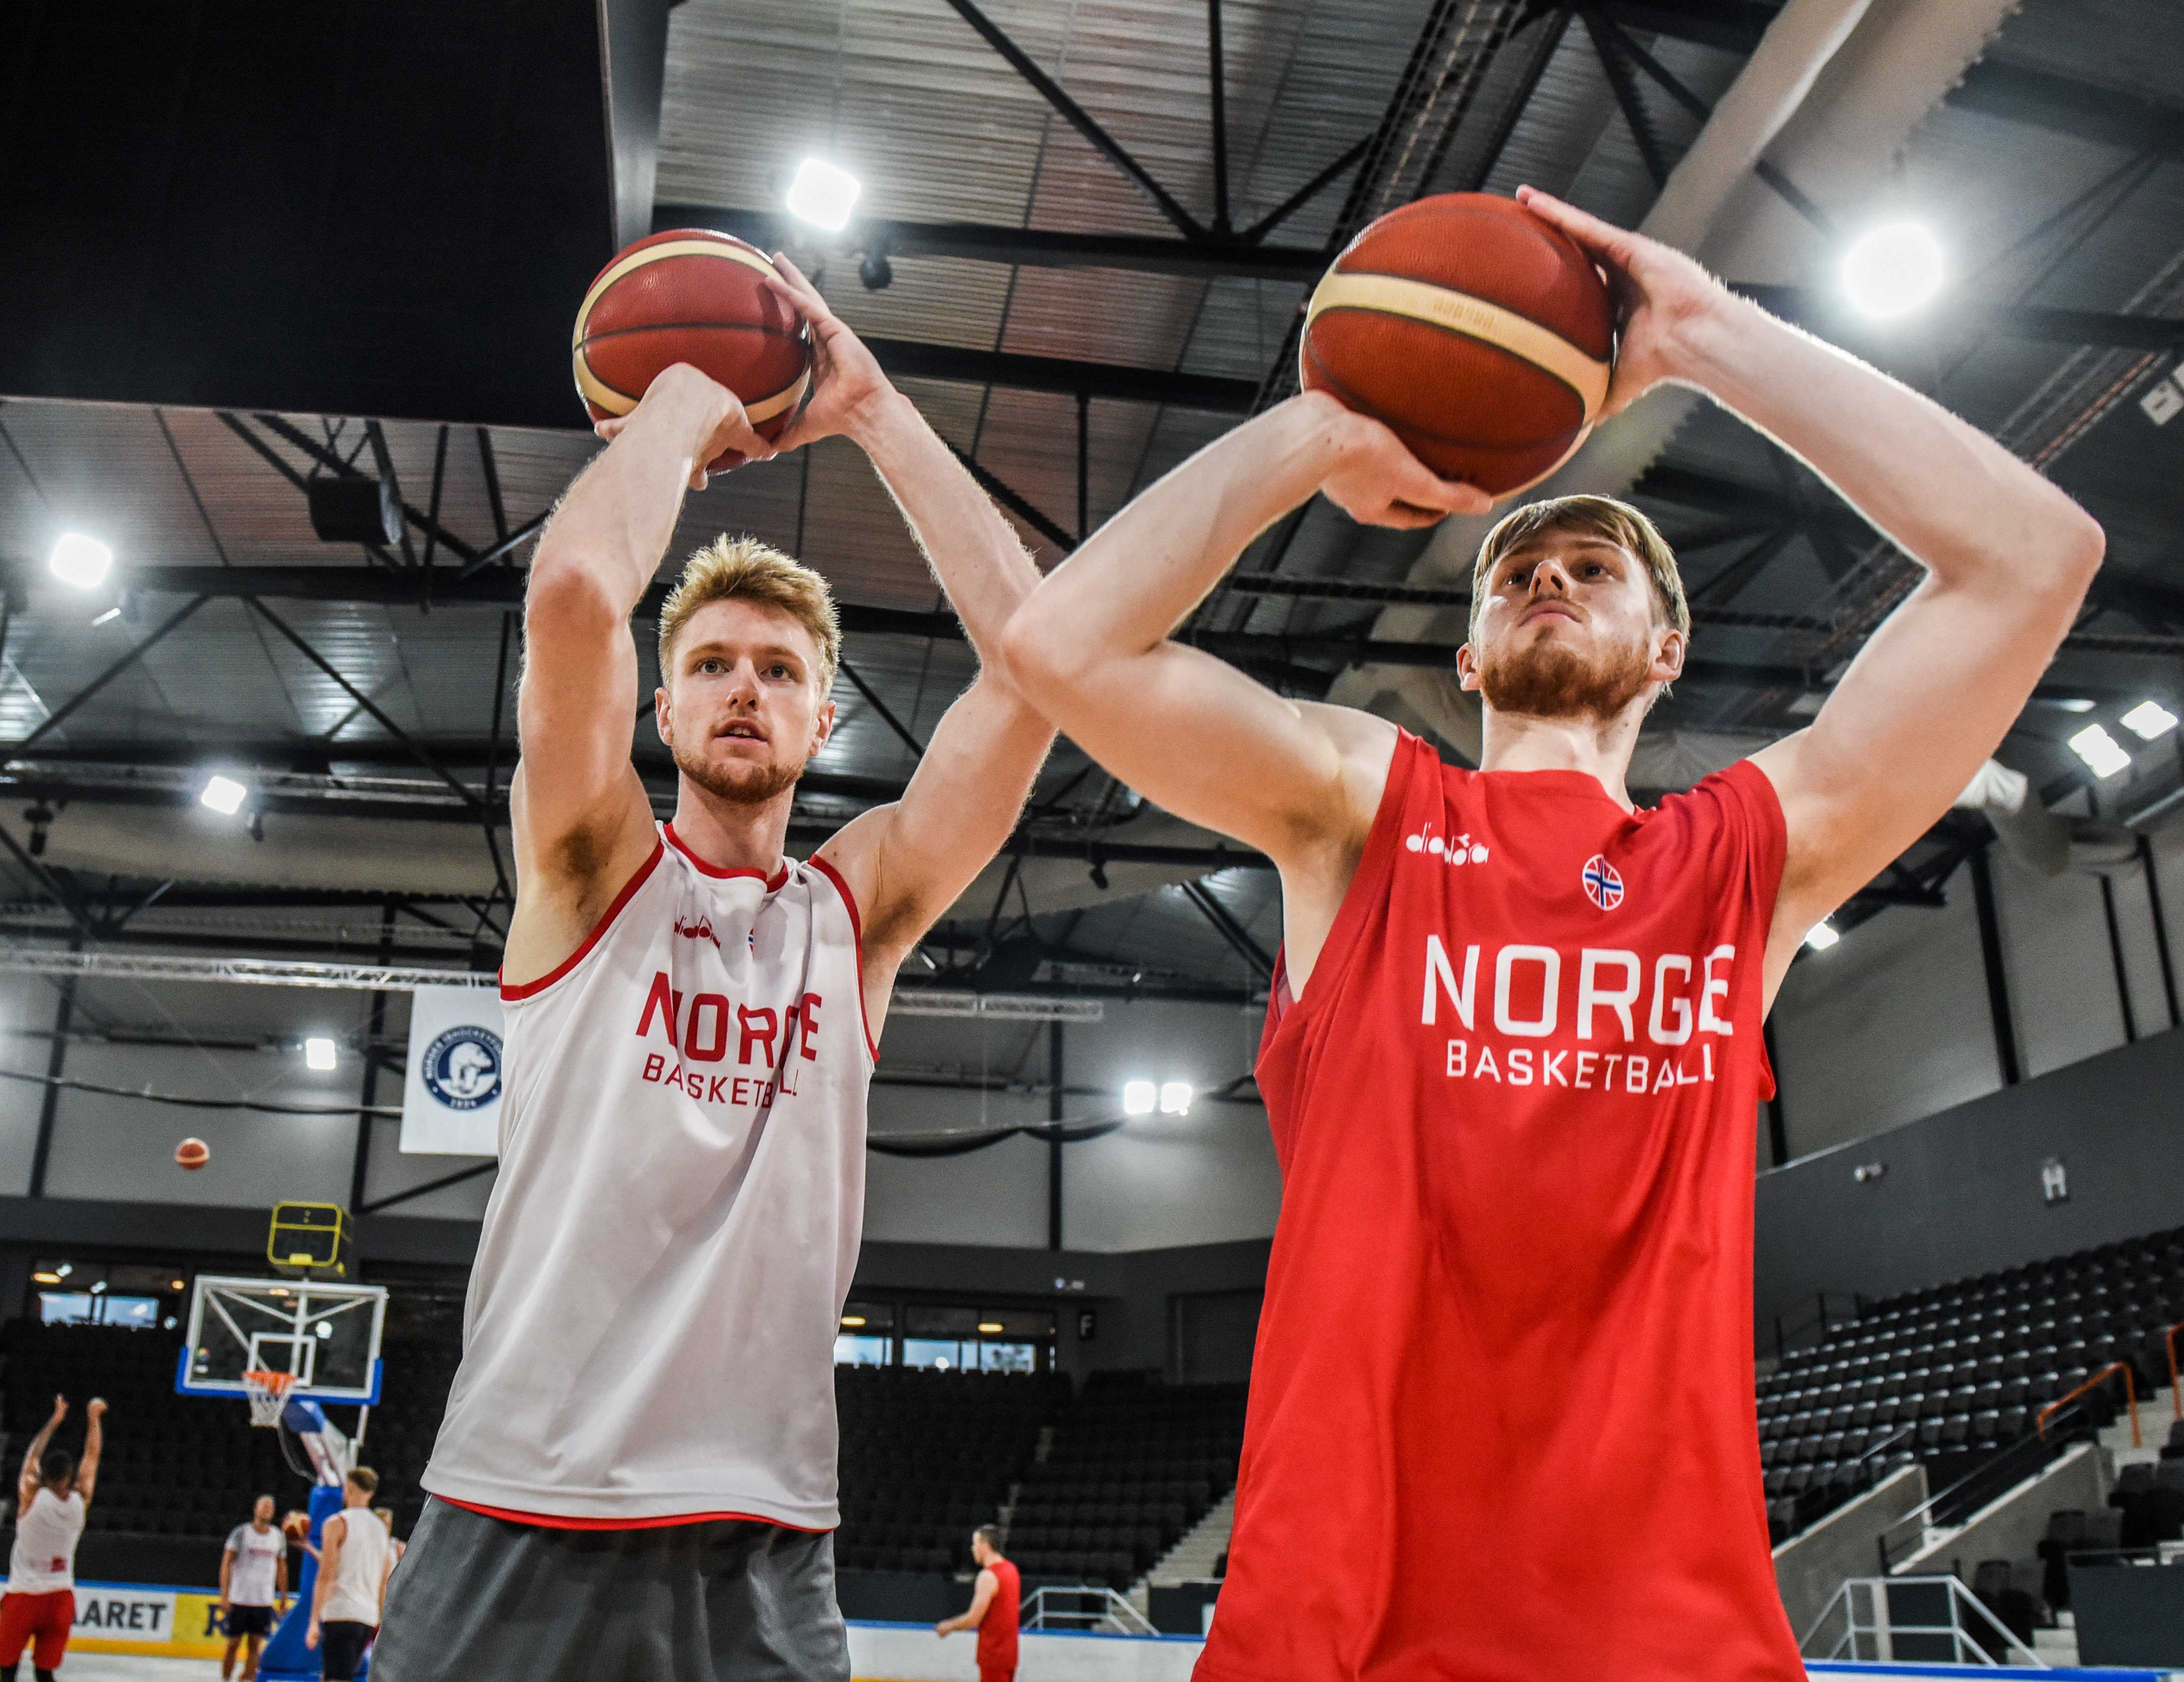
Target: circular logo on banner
[
  {"x": 462, "y": 1067},
  {"x": 1603, "y": 883}
]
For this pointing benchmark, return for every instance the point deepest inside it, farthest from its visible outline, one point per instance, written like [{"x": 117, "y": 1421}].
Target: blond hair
[
  {"x": 1594, "y": 517},
  {"x": 743, "y": 569}
]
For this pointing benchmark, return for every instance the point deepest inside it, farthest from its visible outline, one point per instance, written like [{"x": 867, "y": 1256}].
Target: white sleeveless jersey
[
  {"x": 47, "y": 1532},
  {"x": 650, "y": 1327}
]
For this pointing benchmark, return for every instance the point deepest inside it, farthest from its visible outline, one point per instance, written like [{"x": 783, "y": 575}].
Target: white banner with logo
[{"x": 451, "y": 1103}]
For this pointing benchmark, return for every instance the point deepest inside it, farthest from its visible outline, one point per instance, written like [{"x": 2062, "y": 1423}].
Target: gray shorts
[{"x": 486, "y": 1600}]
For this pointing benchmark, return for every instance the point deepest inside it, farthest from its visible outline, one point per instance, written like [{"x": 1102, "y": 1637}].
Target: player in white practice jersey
[
  {"x": 635, "y": 1477},
  {"x": 253, "y": 1578},
  {"x": 52, "y": 1496}
]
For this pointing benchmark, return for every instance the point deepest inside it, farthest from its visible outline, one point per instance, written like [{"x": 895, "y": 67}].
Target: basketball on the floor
[
  {"x": 691, "y": 295},
  {"x": 1480, "y": 335},
  {"x": 193, "y": 1153}
]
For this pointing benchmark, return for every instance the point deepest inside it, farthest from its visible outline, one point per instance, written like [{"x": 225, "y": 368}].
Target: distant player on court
[
  {"x": 635, "y": 1478},
  {"x": 354, "y": 1558},
  {"x": 253, "y": 1578},
  {"x": 53, "y": 1493},
  {"x": 1501, "y": 1418},
  {"x": 996, "y": 1607}
]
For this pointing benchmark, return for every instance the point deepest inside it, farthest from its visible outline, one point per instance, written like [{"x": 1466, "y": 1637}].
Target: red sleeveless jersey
[
  {"x": 1501, "y": 1422},
  {"x": 997, "y": 1629}
]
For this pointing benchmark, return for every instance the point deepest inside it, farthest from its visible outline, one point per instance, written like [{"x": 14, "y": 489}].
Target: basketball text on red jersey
[
  {"x": 1500, "y": 1419},
  {"x": 650, "y": 1329}
]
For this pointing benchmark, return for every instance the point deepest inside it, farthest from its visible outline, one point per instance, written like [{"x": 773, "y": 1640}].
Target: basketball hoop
[{"x": 268, "y": 1393}]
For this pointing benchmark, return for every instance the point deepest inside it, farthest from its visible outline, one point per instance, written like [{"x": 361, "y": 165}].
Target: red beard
[
  {"x": 740, "y": 783},
  {"x": 1549, "y": 680}
]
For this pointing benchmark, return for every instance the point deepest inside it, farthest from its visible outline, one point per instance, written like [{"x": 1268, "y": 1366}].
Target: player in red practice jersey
[{"x": 1500, "y": 1421}]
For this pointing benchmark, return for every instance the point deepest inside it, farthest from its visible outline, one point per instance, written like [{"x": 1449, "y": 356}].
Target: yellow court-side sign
[{"x": 135, "y": 1617}]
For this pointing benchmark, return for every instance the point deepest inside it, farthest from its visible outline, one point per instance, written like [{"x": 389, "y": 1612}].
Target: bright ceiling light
[
  {"x": 989, "y": 1327},
  {"x": 1893, "y": 270},
  {"x": 224, "y": 794},
  {"x": 824, "y": 194},
  {"x": 1821, "y": 936},
  {"x": 80, "y": 560},
  {"x": 2100, "y": 751},
  {"x": 47, "y": 1278},
  {"x": 318, "y": 1052},
  {"x": 1140, "y": 1097},
  {"x": 2149, "y": 720},
  {"x": 1175, "y": 1098},
  {"x": 853, "y": 1319}
]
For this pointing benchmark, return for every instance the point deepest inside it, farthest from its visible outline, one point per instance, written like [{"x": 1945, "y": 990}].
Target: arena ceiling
[{"x": 1088, "y": 229}]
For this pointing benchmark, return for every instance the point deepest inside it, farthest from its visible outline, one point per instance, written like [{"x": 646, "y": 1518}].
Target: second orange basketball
[
  {"x": 1483, "y": 337},
  {"x": 691, "y": 295}
]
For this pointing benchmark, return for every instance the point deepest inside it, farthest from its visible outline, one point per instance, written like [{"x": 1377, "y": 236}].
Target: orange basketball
[
  {"x": 295, "y": 1526},
  {"x": 193, "y": 1153},
  {"x": 691, "y": 296},
  {"x": 1481, "y": 335}
]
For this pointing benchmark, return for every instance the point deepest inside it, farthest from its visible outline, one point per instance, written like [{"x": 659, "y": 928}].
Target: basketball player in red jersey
[
  {"x": 635, "y": 1478},
  {"x": 1501, "y": 1422},
  {"x": 995, "y": 1610}
]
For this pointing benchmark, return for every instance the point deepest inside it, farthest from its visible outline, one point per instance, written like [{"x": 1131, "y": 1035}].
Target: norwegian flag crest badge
[{"x": 1603, "y": 882}]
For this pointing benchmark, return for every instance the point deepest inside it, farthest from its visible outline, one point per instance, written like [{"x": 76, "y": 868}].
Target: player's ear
[
  {"x": 823, "y": 726},
  {"x": 1467, "y": 667},
  {"x": 1668, "y": 650},
  {"x": 663, "y": 715}
]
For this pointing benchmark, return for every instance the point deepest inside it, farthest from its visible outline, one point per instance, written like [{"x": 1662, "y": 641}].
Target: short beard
[
  {"x": 1551, "y": 681},
  {"x": 741, "y": 785}
]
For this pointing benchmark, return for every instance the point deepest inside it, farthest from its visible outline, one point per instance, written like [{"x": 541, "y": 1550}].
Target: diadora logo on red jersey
[
  {"x": 1603, "y": 882},
  {"x": 700, "y": 930},
  {"x": 1460, "y": 851}
]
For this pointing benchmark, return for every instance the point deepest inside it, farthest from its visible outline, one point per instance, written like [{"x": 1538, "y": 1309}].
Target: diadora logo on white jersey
[{"x": 1462, "y": 850}]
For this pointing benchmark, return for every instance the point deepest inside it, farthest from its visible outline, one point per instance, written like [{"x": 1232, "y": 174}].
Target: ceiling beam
[
  {"x": 1208, "y": 257},
  {"x": 2019, "y": 93},
  {"x": 1823, "y": 313}
]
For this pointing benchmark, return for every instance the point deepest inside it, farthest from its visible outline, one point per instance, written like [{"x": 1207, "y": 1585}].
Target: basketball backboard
[{"x": 326, "y": 1334}]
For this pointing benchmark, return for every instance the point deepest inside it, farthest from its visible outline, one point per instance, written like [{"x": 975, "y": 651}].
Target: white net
[{"x": 269, "y": 1394}]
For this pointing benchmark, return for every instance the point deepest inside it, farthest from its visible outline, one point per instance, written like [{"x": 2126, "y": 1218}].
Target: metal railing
[
  {"x": 1915, "y": 1619},
  {"x": 2130, "y": 1392},
  {"x": 2011, "y": 1465},
  {"x": 1083, "y": 1609}
]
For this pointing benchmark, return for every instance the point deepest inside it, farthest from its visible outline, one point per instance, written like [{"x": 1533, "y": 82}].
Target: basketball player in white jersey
[
  {"x": 253, "y": 1578},
  {"x": 53, "y": 1494},
  {"x": 635, "y": 1477},
  {"x": 355, "y": 1554}
]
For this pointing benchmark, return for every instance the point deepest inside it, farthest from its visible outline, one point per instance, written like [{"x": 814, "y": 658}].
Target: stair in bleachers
[
  {"x": 1134, "y": 1465},
  {"x": 1196, "y": 1557},
  {"x": 1954, "y": 1373}
]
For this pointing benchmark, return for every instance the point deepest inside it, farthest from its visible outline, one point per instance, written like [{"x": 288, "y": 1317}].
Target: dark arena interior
[{"x": 286, "y": 406}]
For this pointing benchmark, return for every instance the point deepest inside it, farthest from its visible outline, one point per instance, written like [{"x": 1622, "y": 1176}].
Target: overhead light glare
[
  {"x": 106, "y": 618},
  {"x": 1821, "y": 936},
  {"x": 98, "y": 1287},
  {"x": 1140, "y": 1097},
  {"x": 65, "y": 1269},
  {"x": 989, "y": 1327},
  {"x": 224, "y": 794},
  {"x": 2100, "y": 751},
  {"x": 2149, "y": 720},
  {"x": 47, "y": 1278},
  {"x": 853, "y": 1320},
  {"x": 824, "y": 194},
  {"x": 80, "y": 560},
  {"x": 318, "y": 1052},
  {"x": 1175, "y": 1098},
  {"x": 1893, "y": 270}
]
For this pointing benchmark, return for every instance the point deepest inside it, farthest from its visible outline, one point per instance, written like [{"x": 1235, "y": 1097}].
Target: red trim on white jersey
[
  {"x": 529, "y": 989},
  {"x": 773, "y": 882},
  {"x": 856, "y": 928},
  {"x": 555, "y": 1521}
]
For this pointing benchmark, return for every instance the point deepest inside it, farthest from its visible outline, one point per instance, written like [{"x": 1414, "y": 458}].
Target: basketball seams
[{"x": 1364, "y": 403}]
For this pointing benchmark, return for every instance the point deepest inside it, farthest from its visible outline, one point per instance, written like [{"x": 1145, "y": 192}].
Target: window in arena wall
[
  {"x": 855, "y": 1350},
  {"x": 84, "y": 1308}
]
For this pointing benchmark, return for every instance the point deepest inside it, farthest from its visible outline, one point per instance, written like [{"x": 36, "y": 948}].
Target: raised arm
[
  {"x": 94, "y": 1443},
  {"x": 907, "y": 861},
  {"x": 27, "y": 1480},
  {"x": 1299, "y": 780},
  {"x": 2008, "y": 558},
  {"x": 582, "y": 822}
]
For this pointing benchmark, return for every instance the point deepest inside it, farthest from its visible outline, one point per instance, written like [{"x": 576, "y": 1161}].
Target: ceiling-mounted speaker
[{"x": 354, "y": 511}]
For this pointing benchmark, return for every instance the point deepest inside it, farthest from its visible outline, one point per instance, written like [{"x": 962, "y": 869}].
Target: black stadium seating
[{"x": 1952, "y": 1374}]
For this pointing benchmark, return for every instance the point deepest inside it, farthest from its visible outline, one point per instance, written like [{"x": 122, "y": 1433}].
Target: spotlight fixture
[
  {"x": 1822, "y": 935},
  {"x": 2100, "y": 751},
  {"x": 80, "y": 560},
  {"x": 1175, "y": 1098},
  {"x": 40, "y": 817},
  {"x": 319, "y": 1053},
  {"x": 1140, "y": 1097},
  {"x": 824, "y": 194},
  {"x": 989, "y": 1327},
  {"x": 1893, "y": 270},
  {"x": 224, "y": 794},
  {"x": 876, "y": 272},
  {"x": 106, "y": 618},
  {"x": 853, "y": 1321},
  {"x": 2149, "y": 720},
  {"x": 44, "y": 1279}
]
